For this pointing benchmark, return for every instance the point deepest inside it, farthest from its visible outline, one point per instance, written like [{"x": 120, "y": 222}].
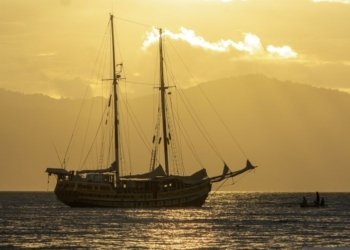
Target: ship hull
[
  {"x": 71, "y": 194},
  {"x": 197, "y": 202}
]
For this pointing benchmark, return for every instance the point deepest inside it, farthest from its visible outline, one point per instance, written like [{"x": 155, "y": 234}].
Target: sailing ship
[{"x": 156, "y": 188}]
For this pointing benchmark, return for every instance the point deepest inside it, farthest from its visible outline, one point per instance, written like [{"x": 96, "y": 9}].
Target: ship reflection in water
[{"x": 227, "y": 220}]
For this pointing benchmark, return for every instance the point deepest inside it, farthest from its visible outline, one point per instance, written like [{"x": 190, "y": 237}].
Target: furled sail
[
  {"x": 197, "y": 177},
  {"x": 159, "y": 171},
  {"x": 112, "y": 168}
]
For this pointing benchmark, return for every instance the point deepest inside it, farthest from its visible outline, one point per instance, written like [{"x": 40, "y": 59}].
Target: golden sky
[
  {"x": 54, "y": 48},
  {"x": 50, "y": 47}
]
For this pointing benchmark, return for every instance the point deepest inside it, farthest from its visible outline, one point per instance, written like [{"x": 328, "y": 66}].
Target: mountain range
[{"x": 297, "y": 134}]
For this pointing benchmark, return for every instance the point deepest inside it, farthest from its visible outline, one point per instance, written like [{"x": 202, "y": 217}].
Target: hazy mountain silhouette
[{"x": 297, "y": 134}]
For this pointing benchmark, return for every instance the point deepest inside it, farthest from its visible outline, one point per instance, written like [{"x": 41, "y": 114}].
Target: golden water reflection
[{"x": 228, "y": 220}]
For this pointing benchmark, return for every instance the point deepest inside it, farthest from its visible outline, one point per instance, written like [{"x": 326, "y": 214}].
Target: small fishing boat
[
  {"x": 318, "y": 203},
  {"x": 302, "y": 205}
]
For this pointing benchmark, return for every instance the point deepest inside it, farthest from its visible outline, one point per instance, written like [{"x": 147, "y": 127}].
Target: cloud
[
  {"x": 332, "y": 1},
  {"x": 251, "y": 43},
  {"x": 284, "y": 51}
]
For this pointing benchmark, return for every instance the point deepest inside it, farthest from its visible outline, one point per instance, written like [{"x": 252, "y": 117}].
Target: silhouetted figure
[
  {"x": 322, "y": 202},
  {"x": 317, "y": 201},
  {"x": 304, "y": 203}
]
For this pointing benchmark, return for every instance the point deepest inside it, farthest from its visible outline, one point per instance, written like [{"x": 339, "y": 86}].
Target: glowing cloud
[
  {"x": 251, "y": 43},
  {"x": 332, "y": 1},
  {"x": 284, "y": 51}
]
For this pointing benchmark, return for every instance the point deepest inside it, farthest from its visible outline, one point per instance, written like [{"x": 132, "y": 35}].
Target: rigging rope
[
  {"x": 197, "y": 121},
  {"x": 199, "y": 125},
  {"x": 224, "y": 123},
  {"x": 240, "y": 148},
  {"x": 65, "y": 160},
  {"x": 135, "y": 22},
  {"x": 57, "y": 154},
  {"x": 124, "y": 121},
  {"x": 172, "y": 128},
  {"x": 140, "y": 83},
  {"x": 97, "y": 69},
  {"x": 93, "y": 141},
  {"x": 189, "y": 143},
  {"x": 137, "y": 126}
]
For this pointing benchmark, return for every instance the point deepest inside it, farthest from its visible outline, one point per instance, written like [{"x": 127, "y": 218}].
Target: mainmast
[
  {"x": 115, "y": 98},
  {"x": 162, "y": 92}
]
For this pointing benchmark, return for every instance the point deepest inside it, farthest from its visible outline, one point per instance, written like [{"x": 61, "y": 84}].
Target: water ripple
[{"x": 228, "y": 220}]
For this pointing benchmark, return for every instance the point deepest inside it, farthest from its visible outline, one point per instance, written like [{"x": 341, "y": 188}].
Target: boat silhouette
[{"x": 155, "y": 188}]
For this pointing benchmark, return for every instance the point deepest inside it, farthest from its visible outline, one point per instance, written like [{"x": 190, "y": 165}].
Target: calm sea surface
[{"x": 228, "y": 220}]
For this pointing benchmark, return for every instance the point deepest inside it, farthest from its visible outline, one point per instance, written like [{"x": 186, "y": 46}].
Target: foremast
[
  {"x": 115, "y": 102},
  {"x": 163, "y": 104}
]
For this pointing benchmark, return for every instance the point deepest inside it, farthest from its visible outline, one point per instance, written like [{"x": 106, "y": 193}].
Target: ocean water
[{"x": 228, "y": 220}]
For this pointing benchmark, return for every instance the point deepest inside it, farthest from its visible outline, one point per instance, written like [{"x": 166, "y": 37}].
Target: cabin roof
[{"x": 58, "y": 171}]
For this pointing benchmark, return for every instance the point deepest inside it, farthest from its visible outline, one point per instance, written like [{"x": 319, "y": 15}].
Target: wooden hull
[{"x": 82, "y": 194}]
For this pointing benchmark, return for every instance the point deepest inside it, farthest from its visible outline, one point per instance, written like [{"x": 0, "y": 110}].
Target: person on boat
[
  {"x": 304, "y": 202},
  {"x": 317, "y": 201},
  {"x": 322, "y": 202}
]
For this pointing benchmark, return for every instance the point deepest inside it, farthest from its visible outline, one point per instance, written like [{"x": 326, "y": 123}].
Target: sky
[
  {"x": 60, "y": 48},
  {"x": 51, "y": 47}
]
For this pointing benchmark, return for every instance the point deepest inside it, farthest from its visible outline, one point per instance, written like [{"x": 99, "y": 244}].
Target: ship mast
[
  {"x": 162, "y": 92},
  {"x": 115, "y": 98}
]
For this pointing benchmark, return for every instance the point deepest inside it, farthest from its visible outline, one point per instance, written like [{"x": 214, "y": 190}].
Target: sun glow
[{"x": 332, "y": 1}]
